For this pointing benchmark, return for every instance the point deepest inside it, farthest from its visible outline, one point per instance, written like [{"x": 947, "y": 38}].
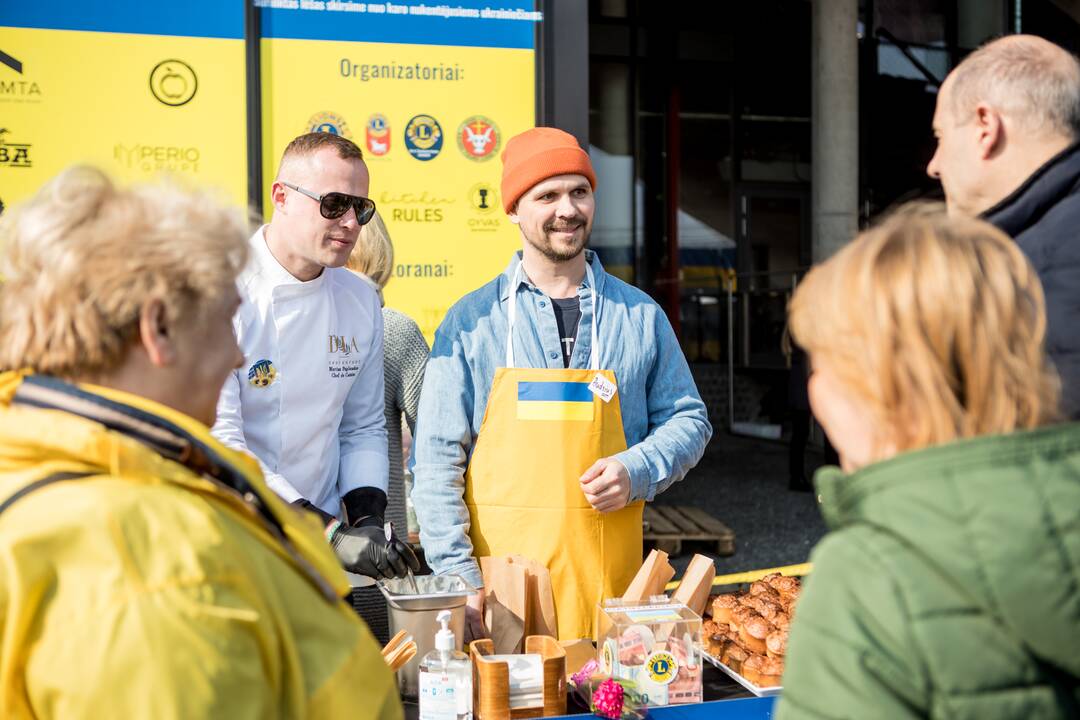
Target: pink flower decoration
[{"x": 608, "y": 699}]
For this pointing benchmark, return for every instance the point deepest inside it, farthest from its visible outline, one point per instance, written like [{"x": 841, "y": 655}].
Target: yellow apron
[{"x": 542, "y": 429}]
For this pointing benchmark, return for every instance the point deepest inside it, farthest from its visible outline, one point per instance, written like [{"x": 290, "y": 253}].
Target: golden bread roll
[
  {"x": 722, "y": 607},
  {"x": 763, "y": 605},
  {"x": 762, "y": 588},
  {"x": 776, "y": 643},
  {"x": 734, "y": 656},
  {"x": 749, "y": 641},
  {"x": 763, "y": 671}
]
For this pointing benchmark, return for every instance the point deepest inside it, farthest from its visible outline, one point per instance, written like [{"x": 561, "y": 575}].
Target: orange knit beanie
[{"x": 538, "y": 154}]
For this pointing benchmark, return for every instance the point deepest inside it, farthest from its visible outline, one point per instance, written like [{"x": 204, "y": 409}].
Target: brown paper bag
[
  {"x": 650, "y": 580},
  {"x": 506, "y": 590},
  {"x": 540, "y": 616},
  {"x": 519, "y": 601},
  {"x": 693, "y": 591},
  {"x": 578, "y": 652}
]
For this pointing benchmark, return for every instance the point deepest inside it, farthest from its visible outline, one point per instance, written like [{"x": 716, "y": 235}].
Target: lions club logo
[
  {"x": 262, "y": 373},
  {"x": 377, "y": 135},
  {"x": 478, "y": 138},
  {"x": 662, "y": 667},
  {"x": 328, "y": 122},
  {"x": 423, "y": 137},
  {"x": 173, "y": 82}
]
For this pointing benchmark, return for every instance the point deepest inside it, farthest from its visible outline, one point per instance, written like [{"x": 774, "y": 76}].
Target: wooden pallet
[{"x": 668, "y": 526}]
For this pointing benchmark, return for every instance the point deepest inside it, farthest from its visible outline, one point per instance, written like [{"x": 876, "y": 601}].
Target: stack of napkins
[{"x": 526, "y": 678}]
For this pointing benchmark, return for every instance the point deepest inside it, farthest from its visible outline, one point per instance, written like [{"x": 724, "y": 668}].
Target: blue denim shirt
[{"x": 664, "y": 419}]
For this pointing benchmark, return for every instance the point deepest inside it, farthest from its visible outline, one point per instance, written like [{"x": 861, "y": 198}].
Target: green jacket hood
[{"x": 996, "y": 517}]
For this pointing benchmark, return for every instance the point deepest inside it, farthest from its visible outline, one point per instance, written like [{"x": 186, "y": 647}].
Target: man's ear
[
  {"x": 277, "y": 196},
  {"x": 990, "y": 130},
  {"x": 155, "y": 335}
]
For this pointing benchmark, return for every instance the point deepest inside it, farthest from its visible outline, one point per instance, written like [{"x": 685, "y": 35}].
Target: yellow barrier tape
[{"x": 752, "y": 575}]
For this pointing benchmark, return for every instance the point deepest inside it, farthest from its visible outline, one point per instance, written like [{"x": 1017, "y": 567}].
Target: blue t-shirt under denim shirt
[{"x": 664, "y": 419}]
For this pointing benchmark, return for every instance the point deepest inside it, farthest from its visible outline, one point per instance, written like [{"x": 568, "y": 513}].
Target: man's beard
[{"x": 545, "y": 247}]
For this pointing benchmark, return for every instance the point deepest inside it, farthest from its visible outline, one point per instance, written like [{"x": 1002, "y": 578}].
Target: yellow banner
[
  {"x": 137, "y": 106},
  {"x": 432, "y": 121}
]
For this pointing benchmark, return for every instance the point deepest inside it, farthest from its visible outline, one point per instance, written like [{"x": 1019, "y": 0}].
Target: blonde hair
[
  {"x": 82, "y": 257},
  {"x": 937, "y": 324},
  {"x": 373, "y": 254}
]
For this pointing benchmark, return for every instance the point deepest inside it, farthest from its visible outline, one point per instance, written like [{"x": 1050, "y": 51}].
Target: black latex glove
[
  {"x": 324, "y": 516},
  {"x": 365, "y": 507},
  {"x": 366, "y": 551}
]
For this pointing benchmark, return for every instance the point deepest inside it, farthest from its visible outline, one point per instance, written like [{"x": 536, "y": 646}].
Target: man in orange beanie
[{"x": 555, "y": 403}]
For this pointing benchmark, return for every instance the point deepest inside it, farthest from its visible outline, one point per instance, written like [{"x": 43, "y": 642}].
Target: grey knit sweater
[{"x": 405, "y": 354}]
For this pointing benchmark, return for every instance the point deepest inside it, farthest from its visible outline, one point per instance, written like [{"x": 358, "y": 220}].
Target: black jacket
[{"x": 1043, "y": 216}]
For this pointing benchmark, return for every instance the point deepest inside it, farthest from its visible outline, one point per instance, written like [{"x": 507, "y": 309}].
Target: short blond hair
[
  {"x": 82, "y": 257},
  {"x": 373, "y": 254},
  {"x": 937, "y": 324}
]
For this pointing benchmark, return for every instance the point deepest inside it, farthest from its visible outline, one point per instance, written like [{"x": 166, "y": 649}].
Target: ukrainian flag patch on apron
[{"x": 559, "y": 401}]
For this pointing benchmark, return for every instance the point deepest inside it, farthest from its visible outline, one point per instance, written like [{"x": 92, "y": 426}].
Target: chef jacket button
[
  {"x": 543, "y": 304},
  {"x": 553, "y": 355}
]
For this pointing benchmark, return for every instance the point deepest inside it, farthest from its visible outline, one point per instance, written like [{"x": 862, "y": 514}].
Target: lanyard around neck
[{"x": 511, "y": 313}]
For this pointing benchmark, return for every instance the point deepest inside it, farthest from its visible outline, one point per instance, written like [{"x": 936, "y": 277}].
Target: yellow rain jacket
[{"x": 163, "y": 580}]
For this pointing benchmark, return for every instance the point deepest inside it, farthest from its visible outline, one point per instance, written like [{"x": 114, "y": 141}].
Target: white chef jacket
[{"x": 308, "y": 402}]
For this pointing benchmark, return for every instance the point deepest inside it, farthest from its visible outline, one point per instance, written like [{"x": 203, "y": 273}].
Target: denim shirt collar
[{"x": 507, "y": 276}]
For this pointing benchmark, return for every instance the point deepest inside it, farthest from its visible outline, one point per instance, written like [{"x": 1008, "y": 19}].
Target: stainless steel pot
[{"x": 415, "y": 613}]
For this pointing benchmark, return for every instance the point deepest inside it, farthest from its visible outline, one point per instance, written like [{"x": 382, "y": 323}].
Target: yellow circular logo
[
  {"x": 173, "y": 82},
  {"x": 262, "y": 373},
  {"x": 662, "y": 667},
  {"x": 328, "y": 122},
  {"x": 607, "y": 657}
]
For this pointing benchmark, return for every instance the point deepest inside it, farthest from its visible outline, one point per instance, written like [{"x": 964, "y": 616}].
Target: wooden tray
[{"x": 668, "y": 526}]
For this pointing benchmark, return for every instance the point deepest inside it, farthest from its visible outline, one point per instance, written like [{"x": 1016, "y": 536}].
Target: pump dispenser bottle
[{"x": 445, "y": 678}]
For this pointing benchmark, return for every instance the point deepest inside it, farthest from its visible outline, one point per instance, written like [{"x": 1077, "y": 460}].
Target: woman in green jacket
[{"x": 949, "y": 585}]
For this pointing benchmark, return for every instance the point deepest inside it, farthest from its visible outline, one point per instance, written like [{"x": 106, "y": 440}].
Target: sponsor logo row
[
  {"x": 478, "y": 137},
  {"x": 171, "y": 82}
]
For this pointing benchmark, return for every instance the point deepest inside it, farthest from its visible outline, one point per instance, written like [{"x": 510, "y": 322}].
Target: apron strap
[
  {"x": 594, "y": 345},
  {"x": 511, "y": 314}
]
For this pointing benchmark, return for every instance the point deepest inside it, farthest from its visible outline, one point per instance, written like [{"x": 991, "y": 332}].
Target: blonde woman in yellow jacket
[{"x": 145, "y": 569}]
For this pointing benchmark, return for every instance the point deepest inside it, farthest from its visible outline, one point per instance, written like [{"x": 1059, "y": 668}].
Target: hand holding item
[
  {"x": 368, "y": 551},
  {"x": 606, "y": 485},
  {"x": 387, "y": 557},
  {"x": 474, "y": 617}
]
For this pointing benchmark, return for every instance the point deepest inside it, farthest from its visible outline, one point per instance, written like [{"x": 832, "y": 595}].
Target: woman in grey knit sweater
[{"x": 405, "y": 354}]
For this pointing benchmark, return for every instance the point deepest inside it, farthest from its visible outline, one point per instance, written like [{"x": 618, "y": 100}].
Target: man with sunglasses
[{"x": 308, "y": 400}]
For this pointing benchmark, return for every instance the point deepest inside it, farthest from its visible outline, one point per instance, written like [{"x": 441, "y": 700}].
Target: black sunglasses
[{"x": 333, "y": 205}]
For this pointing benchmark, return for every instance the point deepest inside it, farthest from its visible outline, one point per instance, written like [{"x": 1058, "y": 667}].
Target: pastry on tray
[{"x": 749, "y": 630}]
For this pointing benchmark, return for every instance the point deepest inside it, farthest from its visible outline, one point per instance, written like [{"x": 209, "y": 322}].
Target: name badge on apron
[{"x": 602, "y": 388}]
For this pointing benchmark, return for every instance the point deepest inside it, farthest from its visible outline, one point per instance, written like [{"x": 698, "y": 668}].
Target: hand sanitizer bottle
[{"x": 445, "y": 678}]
